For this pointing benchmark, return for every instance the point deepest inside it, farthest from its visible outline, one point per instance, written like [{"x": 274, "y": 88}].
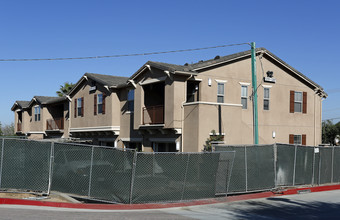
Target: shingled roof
[
  {"x": 20, "y": 104},
  {"x": 109, "y": 80},
  {"x": 198, "y": 67}
]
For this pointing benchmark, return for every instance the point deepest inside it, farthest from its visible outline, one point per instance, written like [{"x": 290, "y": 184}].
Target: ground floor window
[
  {"x": 297, "y": 139},
  {"x": 164, "y": 147}
]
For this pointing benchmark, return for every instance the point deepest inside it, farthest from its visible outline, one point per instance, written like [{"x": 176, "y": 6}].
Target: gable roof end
[{"x": 106, "y": 80}]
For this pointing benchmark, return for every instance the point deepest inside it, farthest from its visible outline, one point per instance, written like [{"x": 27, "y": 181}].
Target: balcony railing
[
  {"x": 55, "y": 124},
  {"x": 153, "y": 115},
  {"x": 19, "y": 127}
]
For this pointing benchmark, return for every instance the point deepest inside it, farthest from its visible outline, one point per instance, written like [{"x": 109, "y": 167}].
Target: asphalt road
[{"x": 321, "y": 205}]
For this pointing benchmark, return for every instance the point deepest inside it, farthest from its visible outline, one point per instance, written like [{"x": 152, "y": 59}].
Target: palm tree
[{"x": 65, "y": 89}]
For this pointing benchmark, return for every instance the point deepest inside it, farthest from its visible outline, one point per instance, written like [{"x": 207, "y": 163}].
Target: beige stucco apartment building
[{"x": 167, "y": 107}]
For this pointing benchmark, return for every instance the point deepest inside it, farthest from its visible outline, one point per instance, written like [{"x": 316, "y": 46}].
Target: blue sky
[{"x": 305, "y": 34}]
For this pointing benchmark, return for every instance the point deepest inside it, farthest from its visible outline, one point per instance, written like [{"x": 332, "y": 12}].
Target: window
[
  {"x": 220, "y": 92},
  {"x": 244, "y": 96},
  {"x": 100, "y": 103},
  {"x": 37, "y": 113},
  {"x": 297, "y": 139},
  {"x": 266, "y": 99},
  {"x": 298, "y": 102},
  {"x": 79, "y": 107},
  {"x": 130, "y": 100}
]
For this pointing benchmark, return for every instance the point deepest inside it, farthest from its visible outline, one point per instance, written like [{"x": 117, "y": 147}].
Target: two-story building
[
  {"x": 167, "y": 107},
  {"x": 42, "y": 117},
  {"x": 177, "y": 106}
]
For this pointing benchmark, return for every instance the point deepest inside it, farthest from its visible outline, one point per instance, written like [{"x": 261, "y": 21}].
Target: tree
[
  {"x": 213, "y": 138},
  {"x": 329, "y": 131},
  {"x": 1, "y": 129},
  {"x": 8, "y": 130},
  {"x": 65, "y": 89}
]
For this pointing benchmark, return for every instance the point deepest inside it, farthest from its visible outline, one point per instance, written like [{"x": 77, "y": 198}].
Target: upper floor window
[
  {"x": 130, "y": 100},
  {"x": 79, "y": 107},
  {"x": 244, "y": 96},
  {"x": 298, "y": 102},
  {"x": 37, "y": 113},
  {"x": 220, "y": 92},
  {"x": 266, "y": 99},
  {"x": 99, "y": 104}
]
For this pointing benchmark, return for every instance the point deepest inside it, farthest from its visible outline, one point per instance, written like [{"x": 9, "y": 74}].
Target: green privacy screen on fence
[
  {"x": 25, "y": 164},
  {"x": 116, "y": 175},
  {"x": 253, "y": 167}
]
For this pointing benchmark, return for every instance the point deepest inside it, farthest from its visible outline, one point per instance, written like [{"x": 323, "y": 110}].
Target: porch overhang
[{"x": 95, "y": 131}]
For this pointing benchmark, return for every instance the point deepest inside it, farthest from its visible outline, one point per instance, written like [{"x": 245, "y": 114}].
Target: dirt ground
[{"x": 53, "y": 197}]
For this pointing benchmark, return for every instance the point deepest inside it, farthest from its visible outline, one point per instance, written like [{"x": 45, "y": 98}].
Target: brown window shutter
[
  {"x": 304, "y": 103},
  {"x": 291, "y": 139},
  {"x": 304, "y": 139},
  {"x": 95, "y": 104},
  {"x": 82, "y": 106},
  {"x": 291, "y": 106},
  {"x": 104, "y": 97},
  {"x": 75, "y": 108}
]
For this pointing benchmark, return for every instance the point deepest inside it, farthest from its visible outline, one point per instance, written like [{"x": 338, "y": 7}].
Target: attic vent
[
  {"x": 186, "y": 64},
  {"x": 217, "y": 57}
]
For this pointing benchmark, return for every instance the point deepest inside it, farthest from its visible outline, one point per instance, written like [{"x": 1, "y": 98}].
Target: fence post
[
  {"x": 90, "y": 177},
  {"x": 294, "y": 166},
  {"x": 246, "y": 166},
  {"x": 332, "y": 164},
  {"x": 320, "y": 158},
  {"x": 275, "y": 161},
  {"x": 313, "y": 168},
  {"x": 50, "y": 172},
  {"x": 2, "y": 158},
  {"x": 133, "y": 173},
  {"x": 185, "y": 176}
]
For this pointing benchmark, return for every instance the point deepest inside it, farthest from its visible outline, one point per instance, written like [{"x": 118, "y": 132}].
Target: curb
[{"x": 9, "y": 201}]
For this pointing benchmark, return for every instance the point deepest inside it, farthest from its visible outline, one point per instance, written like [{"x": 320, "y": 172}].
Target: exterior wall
[
  {"x": 26, "y": 121},
  {"x": 201, "y": 119},
  {"x": 127, "y": 130},
  {"x": 175, "y": 95},
  {"x": 89, "y": 119},
  {"x": 276, "y": 119},
  {"x": 39, "y": 126}
]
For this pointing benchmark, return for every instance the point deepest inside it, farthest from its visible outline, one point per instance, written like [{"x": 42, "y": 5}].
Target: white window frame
[
  {"x": 220, "y": 95},
  {"x": 99, "y": 104},
  {"x": 244, "y": 97},
  {"x": 79, "y": 107},
  {"x": 300, "y": 102},
  {"x": 37, "y": 113},
  {"x": 299, "y": 137},
  {"x": 266, "y": 98}
]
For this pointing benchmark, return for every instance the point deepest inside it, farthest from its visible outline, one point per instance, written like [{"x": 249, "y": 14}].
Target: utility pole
[{"x": 254, "y": 85}]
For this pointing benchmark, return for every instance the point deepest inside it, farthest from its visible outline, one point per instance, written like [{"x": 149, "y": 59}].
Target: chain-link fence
[
  {"x": 271, "y": 166},
  {"x": 117, "y": 175},
  {"x": 253, "y": 167}
]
